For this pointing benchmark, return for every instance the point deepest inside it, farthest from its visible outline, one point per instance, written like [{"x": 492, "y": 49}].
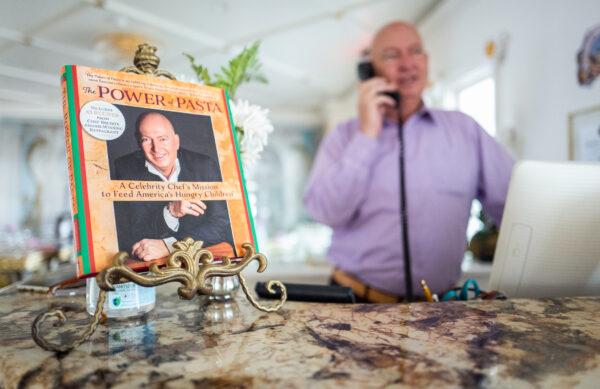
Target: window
[{"x": 478, "y": 100}]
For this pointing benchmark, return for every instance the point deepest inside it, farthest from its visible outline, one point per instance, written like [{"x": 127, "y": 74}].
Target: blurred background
[{"x": 524, "y": 69}]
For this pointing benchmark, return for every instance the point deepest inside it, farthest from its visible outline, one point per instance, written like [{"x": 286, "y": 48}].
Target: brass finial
[{"x": 146, "y": 62}]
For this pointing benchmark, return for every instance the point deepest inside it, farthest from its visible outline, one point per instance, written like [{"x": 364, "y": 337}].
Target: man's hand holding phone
[{"x": 373, "y": 104}]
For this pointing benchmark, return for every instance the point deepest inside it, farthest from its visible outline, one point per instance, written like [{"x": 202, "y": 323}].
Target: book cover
[{"x": 151, "y": 161}]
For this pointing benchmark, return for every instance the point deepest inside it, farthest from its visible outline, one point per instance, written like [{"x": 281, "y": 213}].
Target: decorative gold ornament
[
  {"x": 146, "y": 62},
  {"x": 40, "y": 339},
  {"x": 189, "y": 264}
]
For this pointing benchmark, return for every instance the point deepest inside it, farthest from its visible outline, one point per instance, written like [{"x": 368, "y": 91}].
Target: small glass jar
[{"x": 128, "y": 300}]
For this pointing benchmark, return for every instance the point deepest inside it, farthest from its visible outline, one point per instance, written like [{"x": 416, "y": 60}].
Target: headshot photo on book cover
[{"x": 173, "y": 147}]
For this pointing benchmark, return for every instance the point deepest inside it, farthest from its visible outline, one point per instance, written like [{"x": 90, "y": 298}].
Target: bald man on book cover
[{"x": 148, "y": 229}]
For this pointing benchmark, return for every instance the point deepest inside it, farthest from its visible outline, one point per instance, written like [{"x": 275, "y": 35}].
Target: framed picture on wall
[{"x": 584, "y": 135}]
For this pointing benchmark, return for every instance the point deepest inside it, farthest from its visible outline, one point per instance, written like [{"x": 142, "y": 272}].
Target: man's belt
[{"x": 364, "y": 291}]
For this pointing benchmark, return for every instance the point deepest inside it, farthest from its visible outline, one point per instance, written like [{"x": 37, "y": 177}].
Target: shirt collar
[
  {"x": 174, "y": 177},
  {"x": 424, "y": 113}
]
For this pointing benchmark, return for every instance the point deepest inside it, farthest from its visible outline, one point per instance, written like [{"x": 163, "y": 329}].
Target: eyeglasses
[{"x": 391, "y": 55}]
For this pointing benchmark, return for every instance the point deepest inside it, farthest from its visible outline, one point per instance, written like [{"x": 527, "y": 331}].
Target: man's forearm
[
  {"x": 211, "y": 228},
  {"x": 496, "y": 166}
]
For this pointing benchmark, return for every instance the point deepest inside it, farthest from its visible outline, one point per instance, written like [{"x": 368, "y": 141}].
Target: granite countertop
[{"x": 518, "y": 343}]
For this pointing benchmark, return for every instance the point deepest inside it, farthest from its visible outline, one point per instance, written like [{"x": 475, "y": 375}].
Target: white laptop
[{"x": 549, "y": 243}]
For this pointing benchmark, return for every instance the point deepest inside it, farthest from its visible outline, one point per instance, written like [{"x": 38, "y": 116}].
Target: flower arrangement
[{"x": 252, "y": 122}]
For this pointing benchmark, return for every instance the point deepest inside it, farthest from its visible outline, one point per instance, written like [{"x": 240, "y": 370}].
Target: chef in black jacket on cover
[{"x": 148, "y": 229}]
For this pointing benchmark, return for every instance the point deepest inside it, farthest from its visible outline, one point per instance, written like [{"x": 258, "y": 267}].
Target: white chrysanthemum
[{"x": 253, "y": 126}]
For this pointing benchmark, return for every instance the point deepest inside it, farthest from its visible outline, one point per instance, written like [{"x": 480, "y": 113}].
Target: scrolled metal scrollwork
[
  {"x": 271, "y": 289},
  {"x": 58, "y": 314},
  {"x": 189, "y": 264}
]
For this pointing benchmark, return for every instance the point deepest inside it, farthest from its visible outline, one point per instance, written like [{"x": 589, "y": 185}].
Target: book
[{"x": 151, "y": 161}]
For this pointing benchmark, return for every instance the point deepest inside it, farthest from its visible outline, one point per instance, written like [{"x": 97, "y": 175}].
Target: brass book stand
[{"x": 189, "y": 264}]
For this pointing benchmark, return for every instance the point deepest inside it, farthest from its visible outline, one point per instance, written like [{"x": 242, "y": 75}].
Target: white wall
[
  {"x": 340, "y": 109},
  {"x": 537, "y": 85}
]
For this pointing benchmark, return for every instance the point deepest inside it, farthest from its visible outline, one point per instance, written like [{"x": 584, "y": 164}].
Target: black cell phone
[{"x": 366, "y": 70}]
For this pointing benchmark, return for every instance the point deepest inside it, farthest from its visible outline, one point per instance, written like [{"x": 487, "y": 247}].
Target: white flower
[{"x": 253, "y": 128}]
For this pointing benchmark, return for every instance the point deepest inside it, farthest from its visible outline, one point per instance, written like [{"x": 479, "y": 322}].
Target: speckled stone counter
[{"x": 518, "y": 343}]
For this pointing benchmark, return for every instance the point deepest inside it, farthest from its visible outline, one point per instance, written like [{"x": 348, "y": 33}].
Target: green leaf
[
  {"x": 201, "y": 71},
  {"x": 244, "y": 67}
]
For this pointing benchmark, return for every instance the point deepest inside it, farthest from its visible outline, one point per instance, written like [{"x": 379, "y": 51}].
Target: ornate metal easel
[{"x": 189, "y": 264}]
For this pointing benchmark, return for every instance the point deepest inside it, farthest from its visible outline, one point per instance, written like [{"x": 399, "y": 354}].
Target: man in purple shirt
[{"x": 354, "y": 186}]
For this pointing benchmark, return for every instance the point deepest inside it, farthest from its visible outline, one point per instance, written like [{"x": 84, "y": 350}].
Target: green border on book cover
[
  {"x": 237, "y": 153},
  {"x": 82, "y": 222}
]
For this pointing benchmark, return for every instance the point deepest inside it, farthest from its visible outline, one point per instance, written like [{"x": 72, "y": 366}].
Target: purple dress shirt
[{"x": 354, "y": 188}]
